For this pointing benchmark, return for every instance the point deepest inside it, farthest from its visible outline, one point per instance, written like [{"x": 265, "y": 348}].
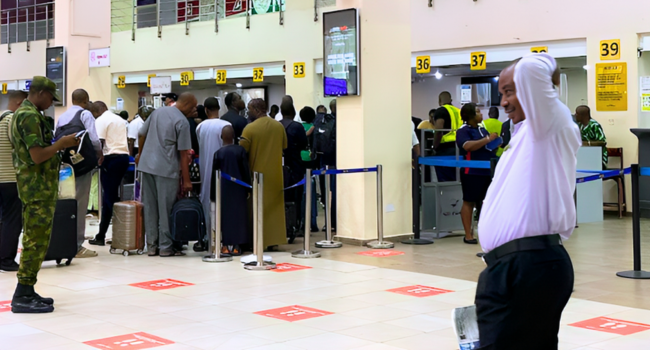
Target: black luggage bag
[
  {"x": 293, "y": 223},
  {"x": 63, "y": 241},
  {"x": 187, "y": 221}
]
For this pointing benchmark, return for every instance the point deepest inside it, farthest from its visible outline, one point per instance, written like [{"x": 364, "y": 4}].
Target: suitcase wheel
[
  {"x": 58, "y": 261},
  {"x": 112, "y": 251},
  {"x": 140, "y": 251},
  {"x": 67, "y": 263},
  {"x": 125, "y": 253}
]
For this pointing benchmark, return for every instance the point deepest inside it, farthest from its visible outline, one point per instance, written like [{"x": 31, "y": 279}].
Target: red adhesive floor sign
[
  {"x": 161, "y": 284},
  {"x": 5, "y": 306},
  {"x": 611, "y": 325},
  {"x": 286, "y": 267},
  {"x": 419, "y": 291},
  {"x": 135, "y": 341},
  {"x": 293, "y": 313},
  {"x": 380, "y": 253}
]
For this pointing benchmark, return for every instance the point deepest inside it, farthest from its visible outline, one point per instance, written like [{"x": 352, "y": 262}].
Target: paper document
[{"x": 466, "y": 327}]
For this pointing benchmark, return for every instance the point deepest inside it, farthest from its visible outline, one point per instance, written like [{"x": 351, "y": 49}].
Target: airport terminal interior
[{"x": 383, "y": 250}]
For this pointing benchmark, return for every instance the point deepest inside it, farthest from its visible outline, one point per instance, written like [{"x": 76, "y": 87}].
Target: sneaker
[
  {"x": 97, "y": 241},
  {"x": 30, "y": 305},
  {"x": 85, "y": 253},
  {"x": 9, "y": 266}
]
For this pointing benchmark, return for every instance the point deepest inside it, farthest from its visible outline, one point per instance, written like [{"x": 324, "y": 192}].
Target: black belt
[{"x": 520, "y": 245}]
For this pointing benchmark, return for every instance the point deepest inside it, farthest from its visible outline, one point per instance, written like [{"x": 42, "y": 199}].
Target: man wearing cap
[{"x": 37, "y": 163}]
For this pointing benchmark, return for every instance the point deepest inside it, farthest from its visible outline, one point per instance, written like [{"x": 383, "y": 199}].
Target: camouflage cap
[
  {"x": 145, "y": 111},
  {"x": 44, "y": 84}
]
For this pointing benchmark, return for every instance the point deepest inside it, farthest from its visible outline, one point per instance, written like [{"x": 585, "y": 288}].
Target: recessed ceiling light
[{"x": 239, "y": 85}]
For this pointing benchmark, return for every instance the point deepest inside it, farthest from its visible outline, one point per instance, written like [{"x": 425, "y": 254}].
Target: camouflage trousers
[{"x": 37, "y": 227}]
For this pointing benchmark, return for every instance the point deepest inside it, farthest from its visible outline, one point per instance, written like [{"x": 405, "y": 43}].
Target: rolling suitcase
[
  {"x": 63, "y": 241},
  {"x": 128, "y": 227},
  {"x": 293, "y": 224},
  {"x": 187, "y": 221}
]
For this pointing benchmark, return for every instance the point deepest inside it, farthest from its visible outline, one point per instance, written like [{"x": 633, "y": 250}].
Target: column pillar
[{"x": 375, "y": 128}]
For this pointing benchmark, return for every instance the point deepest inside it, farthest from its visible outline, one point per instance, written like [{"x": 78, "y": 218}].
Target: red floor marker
[
  {"x": 5, "y": 306},
  {"x": 611, "y": 325},
  {"x": 161, "y": 284},
  {"x": 380, "y": 253},
  {"x": 419, "y": 291},
  {"x": 294, "y": 313},
  {"x": 286, "y": 267},
  {"x": 133, "y": 341}
]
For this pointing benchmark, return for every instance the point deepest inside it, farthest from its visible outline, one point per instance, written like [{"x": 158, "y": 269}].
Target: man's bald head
[
  {"x": 80, "y": 98},
  {"x": 187, "y": 104},
  {"x": 444, "y": 98},
  {"x": 97, "y": 108},
  {"x": 508, "y": 90},
  {"x": 257, "y": 108},
  {"x": 583, "y": 114},
  {"x": 16, "y": 98},
  {"x": 228, "y": 135}
]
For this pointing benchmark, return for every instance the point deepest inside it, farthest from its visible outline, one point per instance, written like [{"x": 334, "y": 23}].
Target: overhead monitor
[
  {"x": 55, "y": 69},
  {"x": 341, "y": 53}
]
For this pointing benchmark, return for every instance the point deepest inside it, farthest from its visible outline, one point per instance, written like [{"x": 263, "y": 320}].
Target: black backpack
[
  {"x": 324, "y": 135},
  {"x": 85, "y": 148}
]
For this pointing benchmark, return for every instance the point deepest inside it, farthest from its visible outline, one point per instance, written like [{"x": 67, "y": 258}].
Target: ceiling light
[
  {"x": 438, "y": 75},
  {"x": 496, "y": 78},
  {"x": 585, "y": 67},
  {"x": 239, "y": 85}
]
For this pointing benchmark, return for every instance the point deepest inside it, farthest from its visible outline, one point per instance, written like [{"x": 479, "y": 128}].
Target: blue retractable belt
[{"x": 237, "y": 181}]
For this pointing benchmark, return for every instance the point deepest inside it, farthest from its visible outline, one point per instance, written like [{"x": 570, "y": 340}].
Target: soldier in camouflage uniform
[{"x": 37, "y": 163}]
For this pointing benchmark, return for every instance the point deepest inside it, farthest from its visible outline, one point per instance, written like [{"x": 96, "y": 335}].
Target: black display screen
[
  {"x": 341, "y": 53},
  {"x": 55, "y": 69}
]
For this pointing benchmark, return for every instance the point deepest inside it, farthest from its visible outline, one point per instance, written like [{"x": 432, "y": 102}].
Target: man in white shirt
[
  {"x": 528, "y": 211},
  {"x": 81, "y": 102},
  {"x": 112, "y": 134},
  {"x": 134, "y": 128}
]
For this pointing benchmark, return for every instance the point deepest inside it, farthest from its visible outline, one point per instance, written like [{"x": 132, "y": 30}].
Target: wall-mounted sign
[
  {"x": 645, "y": 93},
  {"x": 4, "y": 88},
  {"x": 611, "y": 87},
  {"x": 478, "y": 61},
  {"x": 299, "y": 70},
  {"x": 423, "y": 64},
  {"x": 465, "y": 94},
  {"x": 186, "y": 77},
  {"x": 99, "y": 58},
  {"x": 119, "y": 104},
  {"x": 149, "y": 79},
  {"x": 610, "y": 50},
  {"x": 121, "y": 82},
  {"x": 160, "y": 85},
  {"x": 258, "y": 75},
  {"x": 539, "y": 49},
  {"x": 222, "y": 77},
  {"x": 28, "y": 84}
]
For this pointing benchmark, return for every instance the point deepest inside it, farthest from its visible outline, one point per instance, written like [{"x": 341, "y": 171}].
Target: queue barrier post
[
  {"x": 258, "y": 227},
  {"x": 637, "y": 273},
  {"x": 306, "y": 253},
  {"x": 380, "y": 243},
  {"x": 215, "y": 237},
  {"x": 328, "y": 242}
]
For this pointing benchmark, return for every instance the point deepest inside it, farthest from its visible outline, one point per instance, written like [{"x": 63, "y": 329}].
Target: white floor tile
[
  {"x": 230, "y": 341},
  {"x": 328, "y": 341},
  {"x": 334, "y": 322},
  {"x": 379, "y": 332},
  {"x": 380, "y": 313},
  {"x": 423, "y": 323},
  {"x": 284, "y": 332}
]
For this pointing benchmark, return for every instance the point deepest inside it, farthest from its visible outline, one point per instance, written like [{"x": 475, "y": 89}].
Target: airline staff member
[
  {"x": 527, "y": 212},
  {"x": 446, "y": 117}
]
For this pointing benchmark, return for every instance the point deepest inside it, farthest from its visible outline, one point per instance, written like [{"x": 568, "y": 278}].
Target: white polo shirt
[
  {"x": 532, "y": 190},
  {"x": 111, "y": 128},
  {"x": 134, "y": 128}
]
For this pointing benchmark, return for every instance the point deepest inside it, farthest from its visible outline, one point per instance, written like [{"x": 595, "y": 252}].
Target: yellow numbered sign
[
  {"x": 222, "y": 76},
  {"x": 186, "y": 77},
  {"x": 610, "y": 50},
  {"x": 423, "y": 64},
  {"x": 299, "y": 70},
  {"x": 121, "y": 82},
  {"x": 149, "y": 79},
  {"x": 478, "y": 61},
  {"x": 4, "y": 88},
  {"x": 258, "y": 75},
  {"x": 539, "y": 49}
]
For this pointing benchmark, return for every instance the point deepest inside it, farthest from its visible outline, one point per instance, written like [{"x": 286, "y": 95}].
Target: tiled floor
[{"x": 227, "y": 307}]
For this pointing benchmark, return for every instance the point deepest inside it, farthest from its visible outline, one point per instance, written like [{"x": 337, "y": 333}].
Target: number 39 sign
[{"x": 610, "y": 50}]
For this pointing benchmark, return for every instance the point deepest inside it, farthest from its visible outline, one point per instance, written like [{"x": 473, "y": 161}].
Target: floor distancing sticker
[
  {"x": 5, "y": 306},
  {"x": 380, "y": 253},
  {"x": 161, "y": 284},
  {"x": 294, "y": 313},
  {"x": 612, "y": 325},
  {"x": 419, "y": 291},
  {"x": 286, "y": 267},
  {"x": 134, "y": 341}
]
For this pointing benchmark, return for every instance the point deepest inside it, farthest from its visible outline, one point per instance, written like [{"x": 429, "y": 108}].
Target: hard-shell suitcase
[
  {"x": 293, "y": 224},
  {"x": 128, "y": 227},
  {"x": 63, "y": 241},
  {"x": 187, "y": 221}
]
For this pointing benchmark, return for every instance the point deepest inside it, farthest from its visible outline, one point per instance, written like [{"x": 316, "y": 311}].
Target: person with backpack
[
  {"x": 83, "y": 159},
  {"x": 324, "y": 150},
  {"x": 307, "y": 114}
]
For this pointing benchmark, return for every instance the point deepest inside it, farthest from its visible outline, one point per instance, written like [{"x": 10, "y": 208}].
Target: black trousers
[
  {"x": 112, "y": 172},
  {"x": 520, "y": 298},
  {"x": 12, "y": 222}
]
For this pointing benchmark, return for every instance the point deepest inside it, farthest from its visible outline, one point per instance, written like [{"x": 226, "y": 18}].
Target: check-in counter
[{"x": 590, "y": 194}]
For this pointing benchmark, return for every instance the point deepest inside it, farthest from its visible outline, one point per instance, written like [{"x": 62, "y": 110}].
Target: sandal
[
  {"x": 236, "y": 251},
  {"x": 225, "y": 250}
]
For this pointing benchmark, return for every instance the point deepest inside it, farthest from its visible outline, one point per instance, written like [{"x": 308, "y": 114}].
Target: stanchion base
[
  {"x": 254, "y": 266},
  {"x": 305, "y": 254},
  {"x": 213, "y": 258},
  {"x": 251, "y": 258},
  {"x": 637, "y": 275},
  {"x": 381, "y": 245},
  {"x": 417, "y": 241},
  {"x": 328, "y": 244}
]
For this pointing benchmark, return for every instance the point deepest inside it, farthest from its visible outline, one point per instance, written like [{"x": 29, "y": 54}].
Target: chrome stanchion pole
[
  {"x": 258, "y": 226},
  {"x": 305, "y": 253},
  {"x": 328, "y": 242},
  {"x": 380, "y": 243},
  {"x": 215, "y": 237}
]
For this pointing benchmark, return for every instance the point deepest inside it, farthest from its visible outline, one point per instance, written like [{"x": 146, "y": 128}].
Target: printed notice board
[{"x": 611, "y": 87}]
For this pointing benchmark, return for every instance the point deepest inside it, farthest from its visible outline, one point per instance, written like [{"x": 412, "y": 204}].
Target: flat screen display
[
  {"x": 341, "y": 53},
  {"x": 55, "y": 69}
]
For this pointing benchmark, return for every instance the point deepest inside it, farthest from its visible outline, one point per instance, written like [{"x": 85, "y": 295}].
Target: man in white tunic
[
  {"x": 209, "y": 135},
  {"x": 527, "y": 213}
]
